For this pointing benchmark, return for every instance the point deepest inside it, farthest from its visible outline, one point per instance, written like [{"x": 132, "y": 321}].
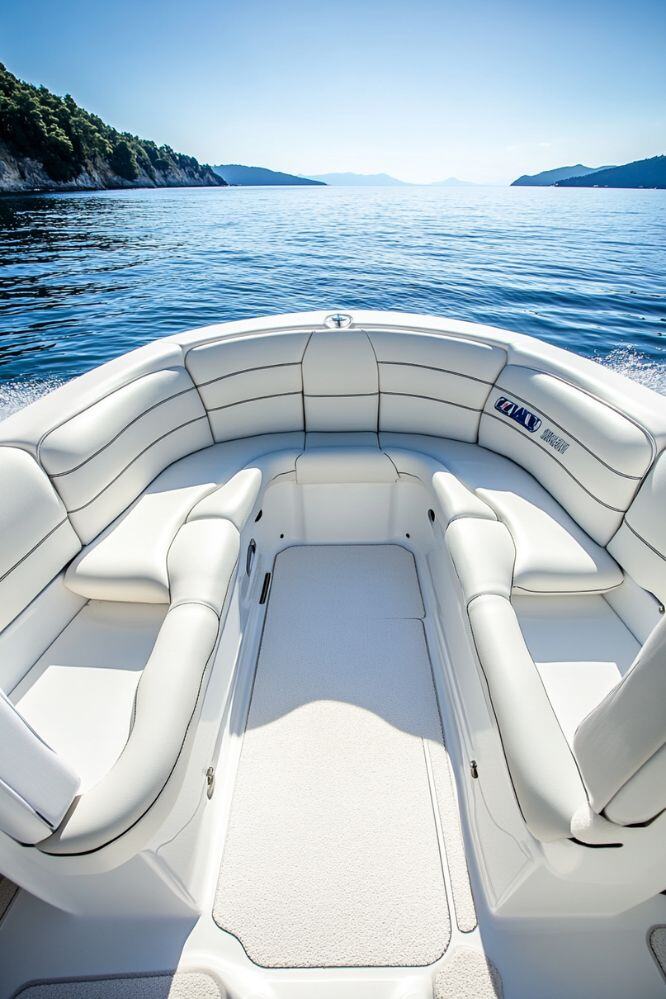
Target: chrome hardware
[
  {"x": 249, "y": 559},
  {"x": 210, "y": 781},
  {"x": 338, "y": 321}
]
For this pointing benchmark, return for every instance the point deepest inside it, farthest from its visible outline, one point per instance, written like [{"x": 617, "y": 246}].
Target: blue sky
[{"x": 478, "y": 89}]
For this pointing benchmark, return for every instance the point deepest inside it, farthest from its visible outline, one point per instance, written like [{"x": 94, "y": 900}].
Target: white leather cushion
[
  {"x": 250, "y": 386},
  {"x": 36, "y": 786},
  {"x": 482, "y": 552},
  {"x": 236, "y": 499},
  {"x": 640, "y": 543},
  {"x": 340, "y": 382},
  {"x": 201, "y": 563},
  {"x": 553, "y": 554},
  {"x": 165, "y": 702},
  {"x": 454, "y": 499},
  {"x": 590, "y": 457},
  {"x": 128, "y": 561},
  {"x": 358, "y": 464},
  {"x": 627, "y": 728},
  {"x": 101, "y": 459},
  {"x": 547, "y": 783},
  {"x": 36, "y": 538},
  {"x": 644, "y": 794},
  {"x": 434, "y": 384}
]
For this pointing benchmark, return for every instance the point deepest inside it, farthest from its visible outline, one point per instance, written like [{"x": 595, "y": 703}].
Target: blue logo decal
[{"x": 507, "y": 407}]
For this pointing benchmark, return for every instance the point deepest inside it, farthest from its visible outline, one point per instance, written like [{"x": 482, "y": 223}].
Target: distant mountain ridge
[
  {"x": 548, "y": 178},
  {"x": 648, "y": 173},
  {"x": 358, "y": 180},
  {"x": 252, "y": 176},
  {"x": 50, "y": 143}
]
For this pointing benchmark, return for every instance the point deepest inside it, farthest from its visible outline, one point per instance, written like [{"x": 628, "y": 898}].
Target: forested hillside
[{"x": 50, "y": 143}]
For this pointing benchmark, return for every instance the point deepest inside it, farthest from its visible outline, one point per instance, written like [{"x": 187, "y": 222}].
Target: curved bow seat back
[
  {"x": 640, "y": 542},
  {"x": 36, "y": 537},
  {"x": 250, "y": 386},
  {"x": 588, "y": 456}
]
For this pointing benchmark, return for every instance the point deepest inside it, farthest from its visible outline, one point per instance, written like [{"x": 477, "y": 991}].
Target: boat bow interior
[{"x": 332, "y": 636}]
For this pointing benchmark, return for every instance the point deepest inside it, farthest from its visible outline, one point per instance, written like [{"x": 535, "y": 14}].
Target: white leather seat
[
  {"x": 553, "y": 554},
  {"x": 201, "y": 566},
  {"x": 128, "y": 560}
]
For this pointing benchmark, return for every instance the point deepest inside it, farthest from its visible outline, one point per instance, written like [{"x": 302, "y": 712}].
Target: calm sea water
[{"x": 85, "y": 277}]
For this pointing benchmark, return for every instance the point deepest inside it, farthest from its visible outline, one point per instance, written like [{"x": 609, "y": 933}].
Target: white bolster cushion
[
  {"x": 359, "y": 464},
  {"x": 36, "y": 785},
  {"x": 165, "y": 702},
  {"x": 201, "y": 563},
  {"x": 483, "y": 553},
  {"x": 454, "y": 499},
  {"x": 236, "y": 498},
  {"x": 627, "y": 728},
  {"x": 547, "y": 783}
]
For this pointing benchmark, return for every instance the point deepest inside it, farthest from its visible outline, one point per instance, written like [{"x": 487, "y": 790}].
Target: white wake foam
[
  {"x": 18, "y": 395},
  {"x": 631, "y": 363}
]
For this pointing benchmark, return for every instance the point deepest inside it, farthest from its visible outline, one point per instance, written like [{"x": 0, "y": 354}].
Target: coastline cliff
[{"x": 50, "y": 143}]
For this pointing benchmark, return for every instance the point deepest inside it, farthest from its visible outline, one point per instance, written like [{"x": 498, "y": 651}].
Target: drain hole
[
  {"x": 260, "y": 515},
  {"x": 431, "y": 516}
]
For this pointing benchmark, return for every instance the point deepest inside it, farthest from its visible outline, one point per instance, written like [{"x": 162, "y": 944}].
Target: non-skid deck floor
[{"x": 332, "y": 855}]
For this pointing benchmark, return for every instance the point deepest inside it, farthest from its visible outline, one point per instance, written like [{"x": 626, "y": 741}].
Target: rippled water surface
[{"x": 84, "y": 277}]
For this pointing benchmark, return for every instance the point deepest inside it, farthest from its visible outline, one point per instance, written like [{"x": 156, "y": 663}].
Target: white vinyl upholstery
[
  {"x": 433, "y": 384},
  {"x": 553, "y": 554},
  {"x": 340, "y": 383},
  {"x": 640, "y": 543},
  {"x": 548, "y": 495},
  {"x": 590, "y": 457},
  {"x": 36, "y": 785},
  {"x": 128, "y": 561},
  {"x": 359, "y": 464},
  {"x": 101, "y": 458},
  {"x": 250, "y": 386},
  {"x": 201, "y": 566},
  {"x": 36, "y": 538},
  {"x": 544, "y": 774},
  {"x": 642, "y": 797},
  {"x": 625, "y": 732},
  {"x": 548, "y": 787}
]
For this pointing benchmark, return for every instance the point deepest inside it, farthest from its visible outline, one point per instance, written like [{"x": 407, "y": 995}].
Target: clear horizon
[{"x": 422, "y": 92}]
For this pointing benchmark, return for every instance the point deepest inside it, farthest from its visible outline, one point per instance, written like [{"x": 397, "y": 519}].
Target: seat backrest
[
  {"x": 435, "y": 385},
  {"x": 250, "y": 386},
  {"x": 36, "y": 537},
  {"x": 640, "y": 542},
  {"x": 590, "y": 456},
  {"x": 627, "y": 730},
  {"x": 340, "y": 383},
  {"x": 100, "y": 458},
  {"x": 36, "y": 785}
]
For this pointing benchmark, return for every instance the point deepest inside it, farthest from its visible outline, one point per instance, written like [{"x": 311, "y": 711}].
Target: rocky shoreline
[{"x": 23, "y": 175}]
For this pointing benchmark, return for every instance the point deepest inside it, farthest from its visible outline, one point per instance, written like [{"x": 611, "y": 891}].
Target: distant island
[
  {"x": 358, "y": 180},
  {"x": 650, "y": 173},
  {"x": 252, "y": 176},
  {"x": 50, "y": 143},
  {"x": 548, "y": 178}
]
